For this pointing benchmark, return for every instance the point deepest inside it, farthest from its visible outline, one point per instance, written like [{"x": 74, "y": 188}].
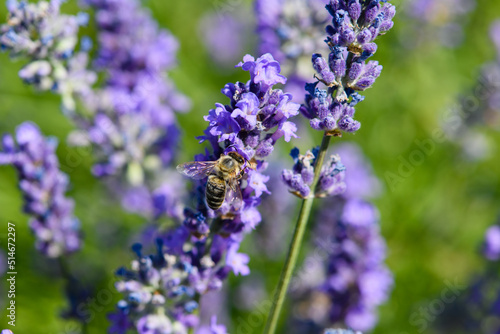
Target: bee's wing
[
  {"x": 233, "y": 194},
  {"x": 197, "y": 169}
]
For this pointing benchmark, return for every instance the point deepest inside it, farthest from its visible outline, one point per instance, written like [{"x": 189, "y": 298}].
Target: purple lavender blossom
[
  {"x": 256, "y": 118},
  {"x": 495, "y": 36},
  {"x": 438, "y": 19},
  {"x": 331, "y": 180},
  {"x": 477, "y": 306},
  {"x": 491, "y": 248},
  {"x": 157, "y": 296},
  {"x": 359, "y": 178},
  {"x": 133, "y": 116},
  {"x": 213, "y": 304},
  {"x": 354, "y": 280},
  {"x": 468, "y": 131},
  {"x": 346, "y": 70},
  {"x": 43, "y": 186},
  {"x": 214, "y": 328},
  {"x": 39, "y": 32},
  {"x": 130, "y": 119},
  {"x": 225, "y": 35}
]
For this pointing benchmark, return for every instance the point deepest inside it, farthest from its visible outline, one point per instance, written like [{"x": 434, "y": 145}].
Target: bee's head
[{"x": 236, "y": 156}]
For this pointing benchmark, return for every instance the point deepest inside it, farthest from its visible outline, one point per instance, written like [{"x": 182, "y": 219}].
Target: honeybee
[{"x": 223, "y": 176}]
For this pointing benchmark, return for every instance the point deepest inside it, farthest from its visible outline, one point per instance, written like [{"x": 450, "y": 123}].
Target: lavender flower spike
[
  {"x": 157, "y": 296},
  {"x": 355, "y": 26},
  {"x": 299, "y": 180},
  {"x": 48, "y": 39},
  {"x": 43, "y": 186},
  {"x": 251, "y": 124},
  {"x": 491, "y": 247}
]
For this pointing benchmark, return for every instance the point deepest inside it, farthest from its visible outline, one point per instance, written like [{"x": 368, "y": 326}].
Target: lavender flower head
[
  {"x": 468, "y": 130},
  {"x": 133, "y": 116},
  {"x": 43, "y": 187},
  {"x": 225, "y": 35},
  {"x": 39, "y": 32},
  {"x": 251, "y": 124},
  {"x": 357, "y": 279},
  {"x": 214, "y": 328},
  {"x": 491, "y": 247},
  {"x": 299, "y": 179},
  {"x": 355, "y": 26},
  {"x": 354, "y": 280},
  {"x": 438, "y": 19},
  {"x": 495, "y": 36},
  {"x": 157, "y": 298}
]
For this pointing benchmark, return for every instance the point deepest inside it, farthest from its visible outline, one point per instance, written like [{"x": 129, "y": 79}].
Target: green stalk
[{"x": 298, "y": 236}]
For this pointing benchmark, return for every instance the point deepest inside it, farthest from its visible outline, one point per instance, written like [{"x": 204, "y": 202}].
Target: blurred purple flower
[
  {"x": 214, "y": 328},
  {"x": 225, "y": 35},
  {"x": 354, "y": 280},
  {"x": 468, "y": 131},
  {"x": 291, "y": 30},
  {"x": 437, "y": 19},
  {"x": 156, "y": 295},
  {"x": 491, "y": 248},
  {"x": 43, "y": 186},
  {"x": 359, "y": 178},
  {"x": 39, "y": 32},
  {"x": 133, "y": 124}
]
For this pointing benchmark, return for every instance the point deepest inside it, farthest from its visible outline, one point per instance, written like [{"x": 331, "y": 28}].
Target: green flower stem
[{"x": 298, "y": 236}]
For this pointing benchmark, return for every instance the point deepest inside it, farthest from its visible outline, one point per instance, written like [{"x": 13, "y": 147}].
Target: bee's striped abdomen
[{"x": 215, "y": 192}]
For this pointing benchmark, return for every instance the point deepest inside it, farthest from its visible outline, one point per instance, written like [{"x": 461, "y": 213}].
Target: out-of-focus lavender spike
[
  {"x": 39, "y": 32},
  {"x": 133, "y": 119},
  {"x": 291, "y": 30},
  {"x": 213, "y": 304},
  {"x": 226, "y": 35},
  {"x": 156, "y": 295},
  {"x": 359, "y": 178},
  {"x": 437, "y": 20},
  {"x": 354, "y": 280},
  {"x": 43, "y": 186},
  {"x": 491, "y": 247},
  {"x": 467, "y": 131}
]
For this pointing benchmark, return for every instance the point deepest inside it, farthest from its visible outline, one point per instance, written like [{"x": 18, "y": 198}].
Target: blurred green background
[{"x": 433, "y": 220}]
